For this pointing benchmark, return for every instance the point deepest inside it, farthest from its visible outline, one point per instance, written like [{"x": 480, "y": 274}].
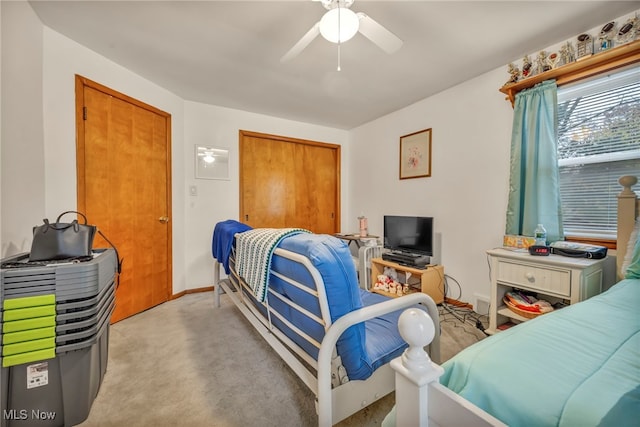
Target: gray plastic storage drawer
[
  {"x": 55, "y": 318},
  {"x": 67, "y": 280},
  {"x": 56, "y": 392}
]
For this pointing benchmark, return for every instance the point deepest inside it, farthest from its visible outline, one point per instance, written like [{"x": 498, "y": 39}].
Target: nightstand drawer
[{"x": 557, "y": 281}]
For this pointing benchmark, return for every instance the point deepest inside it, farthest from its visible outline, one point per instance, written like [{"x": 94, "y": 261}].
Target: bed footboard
[
  {"x": 420, "y": 398},
  {"x": 326, "y": 417}
]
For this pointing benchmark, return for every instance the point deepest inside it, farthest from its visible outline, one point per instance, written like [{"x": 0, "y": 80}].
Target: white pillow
[{"x": 633, "y": 238}]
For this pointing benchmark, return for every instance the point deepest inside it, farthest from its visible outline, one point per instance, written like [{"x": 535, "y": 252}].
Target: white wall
[
  {"x": 468, "y": 188},
  {"x": 22, "y": 168},
  {"x": 218, "y": 200},
  {"x": 1, "y": 74}
]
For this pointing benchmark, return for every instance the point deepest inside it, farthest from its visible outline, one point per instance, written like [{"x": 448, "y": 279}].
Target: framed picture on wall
[
  {"x": 415, "y": 154},
  {"x": 212, "y": 163}
]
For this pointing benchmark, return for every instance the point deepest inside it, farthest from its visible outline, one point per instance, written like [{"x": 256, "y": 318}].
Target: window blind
[{"x": 598, "y": 141}]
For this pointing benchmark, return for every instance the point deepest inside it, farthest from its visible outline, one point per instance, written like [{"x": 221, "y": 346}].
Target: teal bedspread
[{"x": 578, "y": 366}]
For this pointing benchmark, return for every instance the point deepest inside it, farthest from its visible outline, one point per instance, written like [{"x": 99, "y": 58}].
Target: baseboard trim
[
  {"x": 192, "y": 291},
  {"x": 457, "y": 303}
]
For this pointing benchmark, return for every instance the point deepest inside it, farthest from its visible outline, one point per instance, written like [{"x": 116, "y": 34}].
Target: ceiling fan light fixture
[{"x": 339, "y": 25}]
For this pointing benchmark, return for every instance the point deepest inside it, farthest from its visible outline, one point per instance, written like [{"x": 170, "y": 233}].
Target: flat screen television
[{"x": 409, "y": 234}]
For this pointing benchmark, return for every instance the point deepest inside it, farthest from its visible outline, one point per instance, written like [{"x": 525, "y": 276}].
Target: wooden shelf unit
[{"x": 429, "y": 280}]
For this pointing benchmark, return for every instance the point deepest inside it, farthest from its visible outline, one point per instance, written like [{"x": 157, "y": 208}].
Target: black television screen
[{"x": 411, "y": 234}]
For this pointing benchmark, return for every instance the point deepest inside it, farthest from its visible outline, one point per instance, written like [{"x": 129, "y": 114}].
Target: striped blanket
[{"x": 254, "y": 249}]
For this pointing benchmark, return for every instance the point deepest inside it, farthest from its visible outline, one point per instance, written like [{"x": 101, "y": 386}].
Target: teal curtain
[{"x": 534, "y": 190}]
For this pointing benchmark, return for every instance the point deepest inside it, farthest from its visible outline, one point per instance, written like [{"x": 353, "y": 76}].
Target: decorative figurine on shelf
[
  {"x": 542, "y": 63},
  {"x": 514, "y": 72},
  {"x": 584, "y": 46},
  {"x": 526, "y": 67},
  {"x": 567, "y": 54},
  {"x": 605, "y": 38},
  {"x": 563, "y": 56},
  {"x": 628, "y": 31},
  {"x": 553, "y": 60},
  {"x": 388, "y": 284},
  {"x": 362, "y": 222},
  {"x": 392, "y": 287},
  {"x": 390, "y": 272},
  {"x": 382, "y": 283}
]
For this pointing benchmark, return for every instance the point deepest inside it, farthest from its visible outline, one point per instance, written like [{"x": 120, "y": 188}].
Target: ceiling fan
[{"x": 340, "y": 24}]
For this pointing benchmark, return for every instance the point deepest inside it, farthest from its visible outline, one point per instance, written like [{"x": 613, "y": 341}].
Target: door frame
[
  {"x": 336, "y": 147},
  {"x": 82, "y": 82}
]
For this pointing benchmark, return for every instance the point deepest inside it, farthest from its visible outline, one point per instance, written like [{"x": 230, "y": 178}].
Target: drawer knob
[{"x": 530, "y": 277}]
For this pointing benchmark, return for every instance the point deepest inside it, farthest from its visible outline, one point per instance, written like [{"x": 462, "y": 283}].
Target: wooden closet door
[
  {"x": 287, "y": 182},
  {"x": 124, "y": 188},
  {"x": 316, "y": 188}
]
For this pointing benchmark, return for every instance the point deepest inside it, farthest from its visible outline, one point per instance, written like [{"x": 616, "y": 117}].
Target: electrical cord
[
  {"x": 446, "y": 279},
  {"x": 467, "y": 315},
  {"x": 464, "y": 321},
  {"x": 462, "y": 314}
]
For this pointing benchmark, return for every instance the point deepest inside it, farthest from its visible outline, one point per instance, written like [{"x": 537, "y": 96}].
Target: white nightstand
[{"x": 555, "y": 278}]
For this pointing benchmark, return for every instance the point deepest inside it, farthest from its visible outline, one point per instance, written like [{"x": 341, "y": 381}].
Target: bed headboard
[{"x": 628, "y": 210}]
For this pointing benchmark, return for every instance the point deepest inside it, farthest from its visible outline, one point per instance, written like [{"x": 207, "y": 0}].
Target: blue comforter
[
  {"x": 579, "y": 366},
  {"x": 222, "y": 240}
]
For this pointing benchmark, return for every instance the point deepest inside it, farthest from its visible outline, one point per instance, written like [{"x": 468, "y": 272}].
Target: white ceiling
[{"x": 227, "y": 53}]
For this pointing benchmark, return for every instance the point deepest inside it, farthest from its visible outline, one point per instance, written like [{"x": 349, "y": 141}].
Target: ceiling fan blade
[
  {"x": 302, "y": 43},
  {"x": 378, "y": 34}
]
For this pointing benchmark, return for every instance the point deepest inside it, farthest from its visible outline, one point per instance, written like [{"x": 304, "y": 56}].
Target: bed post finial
[
  {"x": 627, "y": 212},
  {"x": 417, "y": 329},
  {"x": 414, "y": 369},
  {"x": 627, "y": 182}
]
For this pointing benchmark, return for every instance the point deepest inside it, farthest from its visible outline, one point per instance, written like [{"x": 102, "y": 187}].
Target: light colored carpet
[{"x": 188, "y": 363}]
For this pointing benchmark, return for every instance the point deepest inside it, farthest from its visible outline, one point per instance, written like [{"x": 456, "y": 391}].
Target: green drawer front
[
  {"x": 29, "y": 312},
  {"x": 24, "y": 302},
  {"x": 28, "y": 346},
  {"x": 28, "y": 335},
  {"x": 26, "y": 324},
  {"x": 33, "y": 356}
]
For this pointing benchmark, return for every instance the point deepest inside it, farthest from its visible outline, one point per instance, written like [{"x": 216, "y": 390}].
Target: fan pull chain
[{"x": 338, "y": 56}]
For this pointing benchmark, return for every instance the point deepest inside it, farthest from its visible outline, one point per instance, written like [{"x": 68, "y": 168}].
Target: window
[{"x": 598, "y": 141}]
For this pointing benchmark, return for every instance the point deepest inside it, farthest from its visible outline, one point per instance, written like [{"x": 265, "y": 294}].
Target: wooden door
[
  {"x": 124, "y": 182},
  {"x": 287, "y": 182}
]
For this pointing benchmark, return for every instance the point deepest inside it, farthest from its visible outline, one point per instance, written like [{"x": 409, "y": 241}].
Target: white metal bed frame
[
  {"x": 365, "y": 255},
  {"x": 420, "y": 399},
  {"x": 337, "y": 397}
]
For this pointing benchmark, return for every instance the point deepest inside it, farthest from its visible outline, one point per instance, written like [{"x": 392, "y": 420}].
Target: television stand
[{"x": 429, "y": 280}]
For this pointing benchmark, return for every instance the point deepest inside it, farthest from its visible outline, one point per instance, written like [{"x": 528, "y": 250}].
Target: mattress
[
  {"x": 578, "y": 366},
  {"x": 363, "y": 347}
]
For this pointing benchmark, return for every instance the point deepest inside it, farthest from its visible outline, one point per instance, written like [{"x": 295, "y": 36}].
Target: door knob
[{"x": 163, "y": 219}]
